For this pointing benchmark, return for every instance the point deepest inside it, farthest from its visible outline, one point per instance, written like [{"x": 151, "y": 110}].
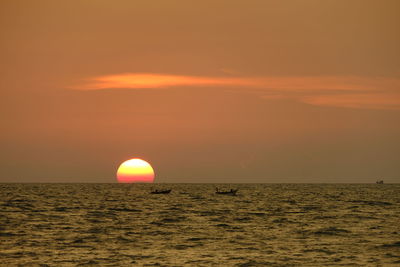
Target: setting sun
[{"x": 135, "y": 171}]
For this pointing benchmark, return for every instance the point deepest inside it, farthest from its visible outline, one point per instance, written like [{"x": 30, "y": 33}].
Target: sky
[{"x": 261, "y": 91}]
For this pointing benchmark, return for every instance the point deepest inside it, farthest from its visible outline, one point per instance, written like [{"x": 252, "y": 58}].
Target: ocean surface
[{"x": 264, "y": 225}]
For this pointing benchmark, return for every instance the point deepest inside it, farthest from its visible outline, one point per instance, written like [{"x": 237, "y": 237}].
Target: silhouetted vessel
[
  {"x": 161, "y": 191},
  {"x": 231, "y": 192},
  {"x": 379, "y": 182}
]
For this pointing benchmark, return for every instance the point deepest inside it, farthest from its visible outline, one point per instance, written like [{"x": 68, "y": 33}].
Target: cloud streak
[
  {"x": 159, "y": 81},
  {"x": 337, "y": 91}
]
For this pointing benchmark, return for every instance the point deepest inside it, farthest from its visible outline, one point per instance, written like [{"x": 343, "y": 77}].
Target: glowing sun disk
[{"x": 135, "y": 171}]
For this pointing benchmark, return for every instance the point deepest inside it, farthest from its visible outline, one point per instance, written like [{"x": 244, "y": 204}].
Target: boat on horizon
[
  {"x": 379, "y": 182},
  {"x": 161, "y": 191},
  {"x": 231, "y": 192}
]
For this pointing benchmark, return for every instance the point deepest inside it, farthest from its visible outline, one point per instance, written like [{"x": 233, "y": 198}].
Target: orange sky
[{"x": 206, "y": 91}]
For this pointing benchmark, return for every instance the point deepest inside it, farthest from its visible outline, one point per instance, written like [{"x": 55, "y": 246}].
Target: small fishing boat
[
  {"x": 379, "y": 182},
  {"x": 161, "y": 191},
  {"x": 231, "y": 192}
]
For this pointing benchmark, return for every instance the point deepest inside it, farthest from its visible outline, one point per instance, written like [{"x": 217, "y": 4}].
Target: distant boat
[
  {"x": 231, "y": 192},
  {"x": 379, "y": 182},
  {"x": 161, "y": 191}
]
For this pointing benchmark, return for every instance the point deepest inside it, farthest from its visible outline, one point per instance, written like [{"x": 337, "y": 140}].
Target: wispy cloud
[
  {"x": 368, "y": 101},
  {"x": 159, "y": 81},
  {"x": 339, "y": 91}
]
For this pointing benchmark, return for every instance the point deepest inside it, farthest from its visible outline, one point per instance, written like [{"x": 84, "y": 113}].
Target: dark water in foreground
[{"x": 264, "y": 225}]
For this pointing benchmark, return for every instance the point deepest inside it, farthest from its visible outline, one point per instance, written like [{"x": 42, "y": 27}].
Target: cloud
[
  {"x": 338, "y": 91},
  {"x": 159, "y": 81},
  {"x": 369, "y": 101}
]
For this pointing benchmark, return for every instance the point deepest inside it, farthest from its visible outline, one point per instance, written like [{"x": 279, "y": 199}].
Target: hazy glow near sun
[{"x": 135, "y": 171}]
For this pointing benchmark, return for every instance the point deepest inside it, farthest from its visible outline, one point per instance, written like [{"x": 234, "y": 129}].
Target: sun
[{"x": 135, "y": 171}]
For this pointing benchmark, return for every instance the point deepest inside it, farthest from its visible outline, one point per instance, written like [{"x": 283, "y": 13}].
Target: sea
[{"x": 263, "y": 225}]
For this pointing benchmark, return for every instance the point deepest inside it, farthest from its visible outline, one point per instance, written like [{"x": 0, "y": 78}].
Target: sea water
[{"x": 263, "y": 225}]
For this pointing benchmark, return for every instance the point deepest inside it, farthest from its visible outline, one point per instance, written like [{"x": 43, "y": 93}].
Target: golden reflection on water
[{"x": 264, "y": 224}]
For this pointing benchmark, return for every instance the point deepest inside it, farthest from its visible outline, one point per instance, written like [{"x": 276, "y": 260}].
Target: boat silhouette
[
  {"x": 231, "y": 192},
  {"x": 161, "y": 191},
  {"x": 379, "y": 182}
]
